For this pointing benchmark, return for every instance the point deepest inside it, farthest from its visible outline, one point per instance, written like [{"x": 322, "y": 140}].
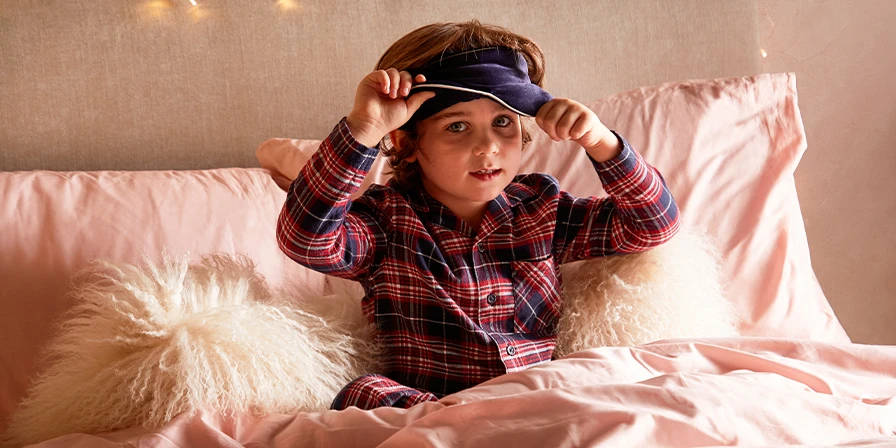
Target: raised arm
[
  {"x": 319, "y": 226},
  {"x": 640, "y": 211},
  {"x": 638, "y": 214}
]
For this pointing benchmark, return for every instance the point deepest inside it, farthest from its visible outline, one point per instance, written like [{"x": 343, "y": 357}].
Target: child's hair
[{"x": 422, "y": 45}]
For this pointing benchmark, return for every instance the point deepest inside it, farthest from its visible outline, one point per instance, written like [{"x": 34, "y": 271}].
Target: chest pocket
[{"x": 536, "y": 292}]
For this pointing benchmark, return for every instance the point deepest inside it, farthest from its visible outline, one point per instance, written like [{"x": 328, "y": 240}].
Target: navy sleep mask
[{"x": 497, "y": 73}]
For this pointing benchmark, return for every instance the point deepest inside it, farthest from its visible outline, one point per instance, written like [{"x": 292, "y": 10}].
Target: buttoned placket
[
  {"x": 490, "y": 224},
  {"x": 479, "y": 255},
  {"x": 479, "y": 251}
]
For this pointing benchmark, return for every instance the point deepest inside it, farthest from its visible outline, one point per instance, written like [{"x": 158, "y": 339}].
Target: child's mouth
[{"x": 488, "y": 174}]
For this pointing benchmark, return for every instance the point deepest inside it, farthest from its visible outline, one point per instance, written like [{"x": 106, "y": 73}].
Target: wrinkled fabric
[{"x": 745, "y": 391}]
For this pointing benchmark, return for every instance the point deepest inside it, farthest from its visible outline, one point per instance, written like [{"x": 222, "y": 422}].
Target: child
[{"x": 457, "y": 254}]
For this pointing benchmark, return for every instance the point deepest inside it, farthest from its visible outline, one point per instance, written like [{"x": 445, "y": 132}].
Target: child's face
[{"x": 458, "y": 143}]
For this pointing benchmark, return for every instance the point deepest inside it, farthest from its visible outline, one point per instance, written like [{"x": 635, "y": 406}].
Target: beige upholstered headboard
[{"x": 159, "y": 84}]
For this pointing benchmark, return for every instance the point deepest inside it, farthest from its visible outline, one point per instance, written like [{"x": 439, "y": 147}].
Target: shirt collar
[{"x": 498, "y": 211}]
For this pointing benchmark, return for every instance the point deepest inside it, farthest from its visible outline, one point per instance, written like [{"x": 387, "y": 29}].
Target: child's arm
[
  {"x": 319, "y": 226},
  {"x": 639, "y": 213}
]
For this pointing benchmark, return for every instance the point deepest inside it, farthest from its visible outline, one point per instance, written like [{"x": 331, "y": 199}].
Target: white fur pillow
[
  {"x": 671, "y": 291},
  {"x": 144, "y": 344}
]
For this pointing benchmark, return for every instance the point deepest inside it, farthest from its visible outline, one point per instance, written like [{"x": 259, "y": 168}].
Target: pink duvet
[{"x": 745, "y": 391}]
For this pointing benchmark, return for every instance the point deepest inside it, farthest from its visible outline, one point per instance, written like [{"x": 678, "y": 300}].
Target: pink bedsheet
[{"x": 746, "y": 391}]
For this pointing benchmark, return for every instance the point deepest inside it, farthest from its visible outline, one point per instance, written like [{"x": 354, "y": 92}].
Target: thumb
[{"x": 415, "y": 101}]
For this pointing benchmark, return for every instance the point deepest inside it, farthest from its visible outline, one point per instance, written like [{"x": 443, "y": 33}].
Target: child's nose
[{"x": 485, "y": 145}]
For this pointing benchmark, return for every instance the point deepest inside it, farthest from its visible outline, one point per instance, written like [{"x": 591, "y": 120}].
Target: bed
[{"x": 140, "y": 128}]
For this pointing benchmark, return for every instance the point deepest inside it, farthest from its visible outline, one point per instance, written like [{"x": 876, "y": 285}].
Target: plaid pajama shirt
[{"x": 455, "y": 306}]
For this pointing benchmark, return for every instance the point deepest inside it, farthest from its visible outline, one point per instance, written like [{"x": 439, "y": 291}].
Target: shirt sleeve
[
  {"x": 320, "y": 227},
  {"x": 639, "y": 212}
]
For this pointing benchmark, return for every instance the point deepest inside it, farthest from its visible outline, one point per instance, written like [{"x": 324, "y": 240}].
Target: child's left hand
[{"x": 565, "y": 119}]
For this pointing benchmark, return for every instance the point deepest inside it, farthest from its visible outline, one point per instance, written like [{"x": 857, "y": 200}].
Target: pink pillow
[
  {"x": 727, "y": 149},
  {"x": 285, "y": 157},
  {"x": 52, "y": 224}
]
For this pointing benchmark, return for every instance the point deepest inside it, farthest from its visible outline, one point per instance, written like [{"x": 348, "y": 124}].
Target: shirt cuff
[
  {"x": 620, "y": 167},
  {"x": 351, "y": 152}
]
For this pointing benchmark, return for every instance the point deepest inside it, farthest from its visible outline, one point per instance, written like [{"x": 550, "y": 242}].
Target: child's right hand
[{"x": 382, "y": 106}]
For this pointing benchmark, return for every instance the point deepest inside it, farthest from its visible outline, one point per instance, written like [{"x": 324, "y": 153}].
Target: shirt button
[
  {"x": 491, "y": 299},
  {"x": 480, "y": 247},
  {"x": 511, "y": 350}
]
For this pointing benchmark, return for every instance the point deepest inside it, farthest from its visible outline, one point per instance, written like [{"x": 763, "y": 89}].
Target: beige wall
[
  {"x": 160, "y": 84},
  {"x": 843, "y": 54}
]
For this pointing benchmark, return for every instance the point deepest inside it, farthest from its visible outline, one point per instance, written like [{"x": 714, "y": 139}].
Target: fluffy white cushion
[
  {"x": 144, "y": 344},
  {"x": 671, "y": 291}
]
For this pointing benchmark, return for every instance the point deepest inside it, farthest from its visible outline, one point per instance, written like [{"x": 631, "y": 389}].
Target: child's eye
[
  {"x": 457, "y": 127},
  {"x": 503, "y": 121}
]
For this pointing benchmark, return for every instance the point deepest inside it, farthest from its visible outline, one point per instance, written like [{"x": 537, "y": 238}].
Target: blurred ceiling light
[
  {"x": 289, "y": 5},
  {"x": 157, "y": 8},
  {"x": 198, "y": 13}
]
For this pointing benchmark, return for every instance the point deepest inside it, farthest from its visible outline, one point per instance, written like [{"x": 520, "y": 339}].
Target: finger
[
  {"x": 555, "y": 117},
  {"x": 542, "y": 111},
  {"x": 420, "y": 78},
  {"x": 540, "y": 118},
  {"x": 406, "y": 82},
  {"x": 414, "y": 102},
  {"x": 581, "y": 126},
  {"x": 565, "y": 123},
  {"x": 394, "y": 82},
  {"x": 382, "y": 78},
  {"x": 552, "y": 118}
]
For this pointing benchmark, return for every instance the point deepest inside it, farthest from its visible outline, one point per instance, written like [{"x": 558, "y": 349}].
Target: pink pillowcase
[
  {"x": 727, "y": 149},
  {"x": 52, "y": 224}
]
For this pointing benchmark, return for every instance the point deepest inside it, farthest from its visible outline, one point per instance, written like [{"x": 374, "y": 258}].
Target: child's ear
[{"x": 399, "y": 139}]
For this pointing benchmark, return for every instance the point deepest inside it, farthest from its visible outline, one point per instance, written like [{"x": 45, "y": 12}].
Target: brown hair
[{"x": 420, "y": 46}]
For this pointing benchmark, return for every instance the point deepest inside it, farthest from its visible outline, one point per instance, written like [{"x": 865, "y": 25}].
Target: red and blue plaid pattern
[{"x": 455, "y": 306}]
